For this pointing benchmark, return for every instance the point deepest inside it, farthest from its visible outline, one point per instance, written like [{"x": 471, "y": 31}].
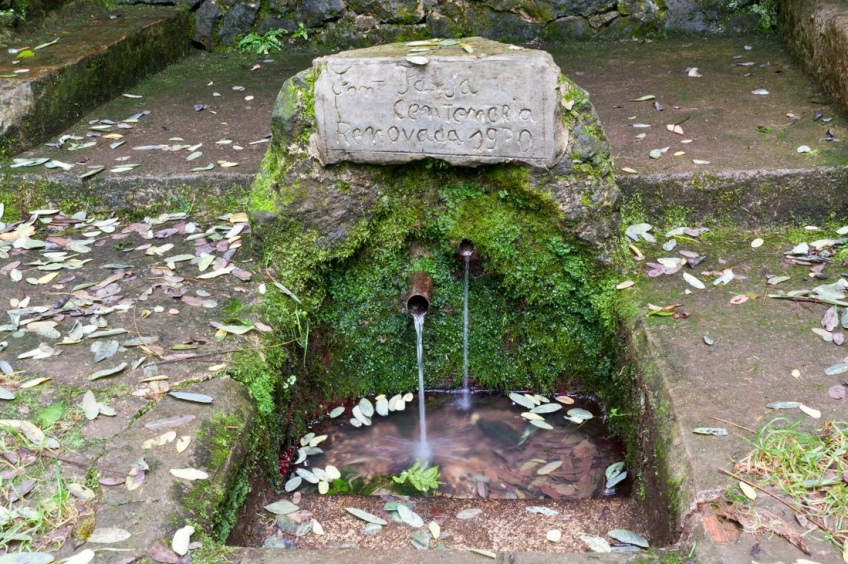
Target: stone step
[
  {"x": 99, "y": 54},
  {"x": 749, "y": 169},
  {"x": 206, "y": 99},
  {"x": 747, "y": 139}
]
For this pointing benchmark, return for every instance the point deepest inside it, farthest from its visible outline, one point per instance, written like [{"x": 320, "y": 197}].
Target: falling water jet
[
  {"x": 418, "y": 304},
  {"x": 466, "y": 249}
]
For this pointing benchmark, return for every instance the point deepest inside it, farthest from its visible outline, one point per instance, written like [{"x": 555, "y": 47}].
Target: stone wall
[
  {"x": 331, "y": 24},
  {"x": 816, "y": 32}
]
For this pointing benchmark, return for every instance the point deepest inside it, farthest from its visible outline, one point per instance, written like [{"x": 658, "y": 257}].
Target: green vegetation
[
  {"x": 765, "y": 10},
  {"x": 263, "y": 44},
  {"x": 807, "y": 469},
  {"x": 351, "y": 483},
  {"x": 301, "y": 32},
  {"x": 420, "y": 476}
]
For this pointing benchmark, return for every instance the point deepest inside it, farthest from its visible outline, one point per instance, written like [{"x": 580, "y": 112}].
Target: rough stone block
[{"x": 496, "y": 104}]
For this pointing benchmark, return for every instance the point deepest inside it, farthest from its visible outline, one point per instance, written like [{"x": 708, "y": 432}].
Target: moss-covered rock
[{"x": 345, "y": 238}]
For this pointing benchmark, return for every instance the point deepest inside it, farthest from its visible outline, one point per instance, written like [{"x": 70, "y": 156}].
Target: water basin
[{"x": 487, "y": 451}]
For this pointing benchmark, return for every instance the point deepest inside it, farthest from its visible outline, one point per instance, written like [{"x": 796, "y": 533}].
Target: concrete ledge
[
  {"x": 816, "y": 32},
  {"x": 748, "y": 197},
  {"x": 266, "y": 556},
  {"x": 99, "y": 55},
  {"x": 127, "y": 193}
]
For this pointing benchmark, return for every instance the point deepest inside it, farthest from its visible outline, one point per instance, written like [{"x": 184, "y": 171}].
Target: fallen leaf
[
  {"x": 628, "y": 537},
  {"x": 693, "y": 281},
  {"x": 715, "y": 431},
  {"x": 108, "y": 535},
  {"x": 183, "y": 443},
  {"x": 90, "y": 406},
  {"x": 182, "y": 539},
  {"x": 365, "y": 516},
  {"x": 814, "y": 413},
  {"x": 108, "y": 371},
  {"x": 190, "y": 474},
  {"x": 192, "y": 397},
  {"x": 79, "y": 491},
  {"x": 161, "y": 554},
  {"x": 469, "y": 513},
  {"x": 749, "y": 492},
  {"x": 596, "y": 544}
]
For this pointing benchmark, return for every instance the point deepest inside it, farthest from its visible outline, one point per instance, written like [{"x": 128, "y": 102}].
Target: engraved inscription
[{"x": 466, "y": 112}]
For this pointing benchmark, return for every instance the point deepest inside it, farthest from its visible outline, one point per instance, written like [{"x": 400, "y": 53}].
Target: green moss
[
  {"x": 541, "y": 307},
  {"x": 210, "y": 503}
]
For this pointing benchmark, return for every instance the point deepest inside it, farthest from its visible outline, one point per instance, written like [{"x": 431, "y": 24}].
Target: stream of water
[
  {"x": 465, "y": 403},
  {"x": 423, "y": 450}
]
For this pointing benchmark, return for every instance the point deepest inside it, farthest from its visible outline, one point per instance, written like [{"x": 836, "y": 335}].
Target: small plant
[
  {"x": 766, "y": 10},
  {"x": 420, "y": 476},
  {"x": 263, "y": 44},
  {"x": 352, "y": 483},
  {"x": 301, "y": 32}
]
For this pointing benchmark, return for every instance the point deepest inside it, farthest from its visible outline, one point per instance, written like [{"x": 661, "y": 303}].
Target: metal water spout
[
  {"x": 420, "y": 290},
  {"x": 466, "y": 249}
]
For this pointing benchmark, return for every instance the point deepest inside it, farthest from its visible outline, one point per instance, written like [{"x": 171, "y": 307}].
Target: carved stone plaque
[{"x": 495, "y": 104}]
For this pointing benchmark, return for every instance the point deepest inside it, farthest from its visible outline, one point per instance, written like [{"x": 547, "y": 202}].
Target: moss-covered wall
[{"x": 332, "y": 24}]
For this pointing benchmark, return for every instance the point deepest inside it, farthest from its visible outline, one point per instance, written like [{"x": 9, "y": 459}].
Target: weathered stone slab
[{"x": 496, "y": 104}]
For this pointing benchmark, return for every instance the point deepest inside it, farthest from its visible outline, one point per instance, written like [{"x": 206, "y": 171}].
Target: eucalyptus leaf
[
  {"x": 382, "y": 407},
  {"x": 192, "y": 397},
  {"x": 521, "y": 400},
  {"x": 420, "y": 539},
  {"x": 628, "y": 537},
  {"x": 409, "y": 517},
  {"x": 108, "y": 372},
  {"x": 715, "y": 431},
  {"x": 548, "y": 468},
  {"x": 365, "y": 516},
  {"x": 417, "y": 59},
  {"x": 596, "y": 544},
  {"x": 546, "y": 408},
  {"x": 546, "y": 511},
  {"x": 307, "y": 475},
  {"x": 366, "y": 407},
  {"x": 692, "y": 281},
  {"x": 282, "y": 507},
  {"x": 578, "y": 415},
  {"x": 471, "y": 513},
  {"x": 90, "y": 406},
  {"x": 836, "y": 369},
  {"x": 293, "y": 483},
  {"x": 542, "y": 424},
  {"x": 783, "y": 405},
  {"x": 108, "y": 535},
  {"x": 615, "y": 480}
]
